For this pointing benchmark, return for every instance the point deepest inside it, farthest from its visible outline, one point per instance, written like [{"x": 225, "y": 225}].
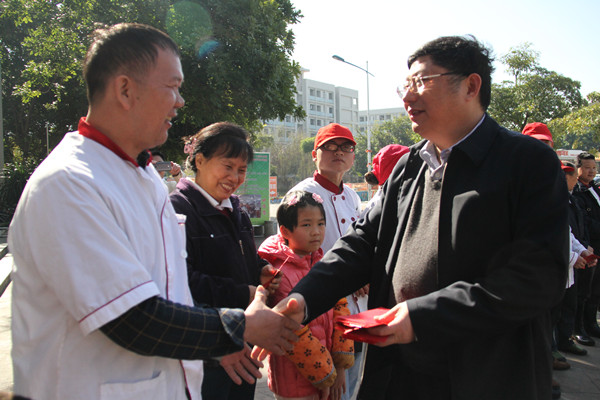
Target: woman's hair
[
  {"x": 287, "y": 213},
  {"x": 221, "y": 139}
]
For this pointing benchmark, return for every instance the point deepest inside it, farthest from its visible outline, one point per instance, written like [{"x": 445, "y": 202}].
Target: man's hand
[
  {"x": 270, "y": 329},
  {"x": 363, "y": 291},
  {"x": 293, "y": 308},
  {"x": 240, "y": 366},
  {"x": 175, "y": 171},
  {"x": 580, "y": 263},
  {"x": 400, "y": 330},
  {"x": 587, "y": 253}
]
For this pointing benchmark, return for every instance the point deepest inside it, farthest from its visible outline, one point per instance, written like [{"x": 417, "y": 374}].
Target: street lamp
[{"x": 336, "y": 57}]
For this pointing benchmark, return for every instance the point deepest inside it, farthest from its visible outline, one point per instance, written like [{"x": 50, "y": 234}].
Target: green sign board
[{"x": 254, "y": 193}]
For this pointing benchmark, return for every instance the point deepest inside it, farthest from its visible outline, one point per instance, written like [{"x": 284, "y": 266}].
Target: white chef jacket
[{"x": 93, "y": 235}]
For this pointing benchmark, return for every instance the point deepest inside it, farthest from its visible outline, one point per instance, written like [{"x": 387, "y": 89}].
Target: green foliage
[
  {"x": 307, "y": 144},
  {"x": 536, "y": 95},
  {"x": 14, "y": 177},
  {"x": 291, "y": 165},
  {"x": 235, "y": 57},
  {"x": 579, "y": 130},
  {"x": 396, "y": 131}
]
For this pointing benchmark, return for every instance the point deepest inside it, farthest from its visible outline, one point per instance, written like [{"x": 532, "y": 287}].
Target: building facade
[
  {"x": 379, "y": 116},
  {"x": 323, "y": 103}
]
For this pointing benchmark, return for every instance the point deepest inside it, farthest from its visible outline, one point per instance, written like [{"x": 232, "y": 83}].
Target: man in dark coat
[{"x": 468, "y": 246}]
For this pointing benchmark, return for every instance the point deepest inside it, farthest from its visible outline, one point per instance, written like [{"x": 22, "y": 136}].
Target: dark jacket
[
  {"x": 591, "y": 210},
  {"x": 503, "y": 247},
  {"x": 577, "y": 221},
  {"x": 221, "y": 255}
]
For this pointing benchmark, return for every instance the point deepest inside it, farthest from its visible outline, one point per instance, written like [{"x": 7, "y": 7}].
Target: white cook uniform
[{"x": 93, "y": 236}]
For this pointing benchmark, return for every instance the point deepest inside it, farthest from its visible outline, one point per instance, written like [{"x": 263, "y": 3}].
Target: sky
[{"x": 385, "y": 32}]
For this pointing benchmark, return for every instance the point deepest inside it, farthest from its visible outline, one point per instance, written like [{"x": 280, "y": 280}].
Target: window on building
[
  {"x": 381, "y": 117},
  {"x": 318, "y": 108},
  {"x": 312, "y": 92},
  {"x": 319, "y": 122},
  {"x": 312, "y": 107},
  {"x": 330, "y": 96},
  {"x": 318, "y": 93},
  {"x": 312, "y": 121},
  {"x": 330, "y": 110}
]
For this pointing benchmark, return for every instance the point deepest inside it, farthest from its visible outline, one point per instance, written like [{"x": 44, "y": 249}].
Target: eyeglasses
[
  {"x": 346, "y": 148},
  {"x": 416, "y": 84}
]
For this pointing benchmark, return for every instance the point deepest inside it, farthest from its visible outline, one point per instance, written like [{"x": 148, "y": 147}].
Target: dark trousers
[
  {"x": 391, "y": 379},
  {"x": 566, "y": 319},
  {"x": 217, "y": 385}
]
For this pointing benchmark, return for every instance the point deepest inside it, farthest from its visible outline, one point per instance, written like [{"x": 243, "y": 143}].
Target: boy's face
[{"x": 333, "y": 162}]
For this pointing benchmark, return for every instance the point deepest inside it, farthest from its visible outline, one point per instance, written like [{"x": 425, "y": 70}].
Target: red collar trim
[
  {"x": 90, "y": 132},
  {"x": 584, "y": 184},
  {"x": 327, "y": 184}
]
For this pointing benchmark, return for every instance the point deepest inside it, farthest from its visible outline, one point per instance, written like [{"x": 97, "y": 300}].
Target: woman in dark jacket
[{"x": 223, "y": 265}]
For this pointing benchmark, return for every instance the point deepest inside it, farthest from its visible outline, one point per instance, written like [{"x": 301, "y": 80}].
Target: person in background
[
  {"x": 468, "y": 246},
  {"x": 383, "y": 163},
  {"x": 540, "y": 131},
  {"x": 333, "y": 154},
  {"x": 174, "y": 171},
  {"x": 101, "y": 307},
  {"x": 315, "y": 368},
  {"x": 224, "y": 269},
  {"x": 579, "y": 249},
  {"x": 588, "y": 285}
]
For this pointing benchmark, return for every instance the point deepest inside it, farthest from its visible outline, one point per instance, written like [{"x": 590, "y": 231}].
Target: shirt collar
[
  {"x": 429, "y": 155},
  {"x": 90, "y": 132},
  {"x": 327, "y": 184},
  {"x": 219, "y": 206}
]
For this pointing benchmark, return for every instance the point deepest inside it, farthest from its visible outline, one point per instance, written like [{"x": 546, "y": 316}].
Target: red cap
[
  {"x": 332, "y": 131},
  {"x": 539, "y": 131},
  {"x": 385, "y": 160},
  {"x": 566, "y": 168}
]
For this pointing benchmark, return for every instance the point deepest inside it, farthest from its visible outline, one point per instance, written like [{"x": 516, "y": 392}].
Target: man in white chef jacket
[{"x": 101, "y": 305}]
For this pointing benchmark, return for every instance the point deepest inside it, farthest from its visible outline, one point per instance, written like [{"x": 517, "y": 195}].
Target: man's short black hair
[
  {"x": 584, "y": 156},
  {"x": 463, "y": 55},
  {"x": 130, "y": 49}
]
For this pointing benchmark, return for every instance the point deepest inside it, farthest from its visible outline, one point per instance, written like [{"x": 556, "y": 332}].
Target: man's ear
[
  {"x": 314, "y": 155},
  {"x": 473, "y": 85},
  {"x": 124, "y": 88}
]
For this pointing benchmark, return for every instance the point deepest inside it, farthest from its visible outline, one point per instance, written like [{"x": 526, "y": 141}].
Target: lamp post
[{"x": 338, "y": 58}]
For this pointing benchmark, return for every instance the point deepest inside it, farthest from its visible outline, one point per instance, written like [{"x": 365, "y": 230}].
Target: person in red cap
[
  {"x": 539, "y": 131},
  {"x": 333, "y": 154},
  {"x": 383, "y": 163}
]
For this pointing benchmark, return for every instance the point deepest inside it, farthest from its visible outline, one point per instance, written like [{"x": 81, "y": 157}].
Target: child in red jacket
[{"x": 314, "y": 369}]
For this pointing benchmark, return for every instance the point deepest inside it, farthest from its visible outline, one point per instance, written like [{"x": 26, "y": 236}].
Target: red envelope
[
  {"x": 590, "y": 258},
  {"x": 355, "y": 326}
]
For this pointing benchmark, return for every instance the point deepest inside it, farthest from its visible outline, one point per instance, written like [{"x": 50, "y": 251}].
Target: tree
[
  {"x": 291, "y": 163},
  {"x": 579, "y": 130},
  {"x": 396, "y": 131},
  {"x": 535, "y": 95},
  {"x": 235, "y": 57}
]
